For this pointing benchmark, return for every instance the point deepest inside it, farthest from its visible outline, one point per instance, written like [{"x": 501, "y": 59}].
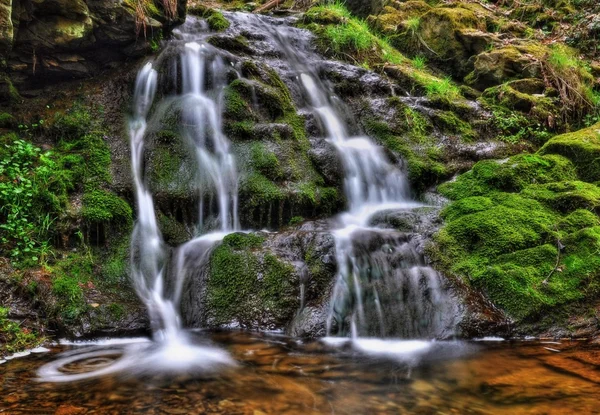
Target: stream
[{"x": 275, "y": 374}]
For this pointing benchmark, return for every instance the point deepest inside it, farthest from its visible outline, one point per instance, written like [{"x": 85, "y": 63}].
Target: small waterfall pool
[{"x": 281, "y": 375}]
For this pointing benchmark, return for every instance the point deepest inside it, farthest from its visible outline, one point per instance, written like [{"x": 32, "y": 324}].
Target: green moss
[
  {"x": 217, "y": 22},
  {"x": 70, "y": 275},
  {"x": 265, "y": 161},
  {"x": 247, "y": 286},
  {"x": 259, "y": 190},
  {"x": 117, "y": 311},
  {"x": 215, "y": 19},
  {"x": 511, "y": 175},
  {"x": 578, "y": 219},
  {"x": 582, "y": 148},
  {"x": 448, "y": 122},
  {"x": 236, "y": 106},
  {"x": 296, "y": 220},
  {"x": 566, "y": 196},
  {"x": 242, "y": 241},
  {"x": 503, "y": 229},
  {"x": 115, "y": 265},
  {"x": 467, "y": 206},
  {"x": 103, "y": 206}
]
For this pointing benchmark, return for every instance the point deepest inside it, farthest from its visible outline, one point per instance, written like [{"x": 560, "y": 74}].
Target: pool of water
[{"x": 278, "y": 375}]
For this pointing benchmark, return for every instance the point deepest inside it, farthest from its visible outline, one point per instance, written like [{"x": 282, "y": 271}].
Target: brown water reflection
[{"x": 278, "y": 375}]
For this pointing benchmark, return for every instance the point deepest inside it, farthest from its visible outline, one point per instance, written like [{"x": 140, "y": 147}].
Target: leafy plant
[{"x": 18, "y": 190}]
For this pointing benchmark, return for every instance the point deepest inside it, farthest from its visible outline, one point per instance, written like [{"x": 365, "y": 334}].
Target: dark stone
[
  {"x": 326, "y": 159},
  {"x": 364, "y": 8}
]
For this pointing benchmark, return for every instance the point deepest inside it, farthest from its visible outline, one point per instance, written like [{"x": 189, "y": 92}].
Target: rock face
[{"x": 68, "y": 39}]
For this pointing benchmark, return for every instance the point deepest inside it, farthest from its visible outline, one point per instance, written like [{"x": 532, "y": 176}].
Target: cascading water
[
  {"x": 200, "y": 110},
  {"x": 384, "y": 287}
]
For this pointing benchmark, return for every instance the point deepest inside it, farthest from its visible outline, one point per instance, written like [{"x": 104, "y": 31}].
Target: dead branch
[{"x": 268, "y": 6}]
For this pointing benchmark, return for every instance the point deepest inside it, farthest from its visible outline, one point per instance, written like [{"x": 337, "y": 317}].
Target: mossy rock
[
  {"x": 215, "y": 19},
  {"x": 454, "y": 34},
  {"x": 582, "y": 148},
  {"x": 391, "y": 19},
  {"x": 566, "y": 196},
  {"x": 235, "y": 44},
  {"x": 250, "y": 286},
  {"x": 510, "y": 175},
  {"x": 449, "y": 123},
  {"x": 508, "y": 219},
  {"x": 506, "y": 63},
  {"x": 104, "y": 206}
]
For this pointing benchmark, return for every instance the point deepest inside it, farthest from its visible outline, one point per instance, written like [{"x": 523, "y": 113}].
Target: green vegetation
[
  {"x": 419, "y": 62},
  {"x": 344, "y": 36},
  {"x": 23, "y": 170},
  {"x": 505, "y": 224},
  {"x": 13, "y": 337},
  {"x": 249, "y": 286},
  {"x": 215, "y": 19}
]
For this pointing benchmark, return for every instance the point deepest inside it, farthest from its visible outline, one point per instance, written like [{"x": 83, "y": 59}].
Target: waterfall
[
  {"x": 384, "y": 287},
  {"x": 202, "y": 128}
]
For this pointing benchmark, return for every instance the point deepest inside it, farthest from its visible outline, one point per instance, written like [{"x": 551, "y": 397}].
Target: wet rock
[
  {"x": 309, "y": 323},
  {"x": 327, "y": 161}
]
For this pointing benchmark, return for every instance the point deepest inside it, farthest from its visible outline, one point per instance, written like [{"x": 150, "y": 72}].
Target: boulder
[
  {"x": 503, "y": 64},
  {"x": 582, "y": 148},
  {"x": 452, "y": 35}
]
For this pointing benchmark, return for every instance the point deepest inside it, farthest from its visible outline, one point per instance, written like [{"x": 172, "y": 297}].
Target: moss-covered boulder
[
  {"x": 451, "y": 34},
  {"x": 522, "y": 230},
  {"x": 505, "y": 63},
  {"x": 582, "y": 148},
  {"x": 215, "y": 19}
]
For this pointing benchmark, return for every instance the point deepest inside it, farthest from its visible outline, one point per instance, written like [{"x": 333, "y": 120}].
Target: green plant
[
  {"x": 18, "y": 190},
  {"x": 413, "y": 24},
  {"x": 296, "y": 220},
  {"x": 572, "y": 79},
  {"x": 439, "y": 88},
  {"x": 419, "y": 62},
  {"x": 13, "y": 337}
]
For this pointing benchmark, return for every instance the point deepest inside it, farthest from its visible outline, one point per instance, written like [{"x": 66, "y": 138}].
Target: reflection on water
[{"x": 279, "y": 375}]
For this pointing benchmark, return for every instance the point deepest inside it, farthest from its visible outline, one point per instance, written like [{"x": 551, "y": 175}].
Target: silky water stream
[{"x": 386, "y": 310}]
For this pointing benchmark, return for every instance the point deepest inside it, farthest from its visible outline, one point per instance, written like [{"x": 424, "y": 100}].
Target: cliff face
[{"x": 46, "y": 40}]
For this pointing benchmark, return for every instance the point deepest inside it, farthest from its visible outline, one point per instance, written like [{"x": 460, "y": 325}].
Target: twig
[{"x": 558, "y": 249}]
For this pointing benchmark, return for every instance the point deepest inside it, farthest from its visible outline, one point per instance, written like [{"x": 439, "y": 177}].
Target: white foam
[
  {"x": 490, "y": 339},
  {"x": 104, "y": 342},
  {"x": 396, "y": 348}
]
